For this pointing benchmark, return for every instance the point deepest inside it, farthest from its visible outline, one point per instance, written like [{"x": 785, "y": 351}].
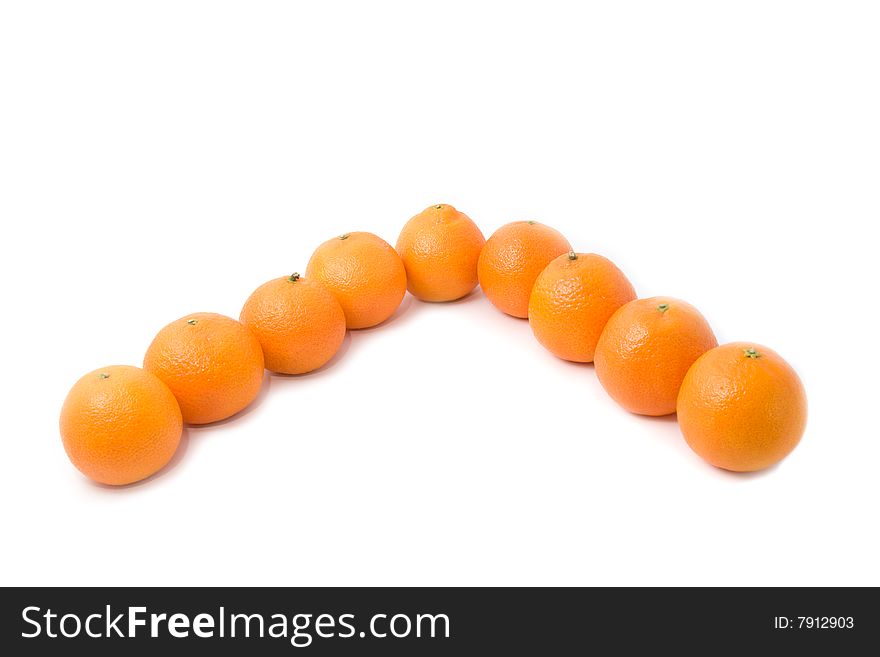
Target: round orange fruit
[
  {"x": 741, "y": 407},
  {"x": 571, "y": 301},
  {"x": 299, "y": 323},
  {"x": 212, "y": 363},
  {"x": 364, "y": 273},
  {"x": 440, "y": 247},
  {"x": 511, "y": 260},
  {"x": 645, "y": 350},
  {"x": 120, "y": 424}
]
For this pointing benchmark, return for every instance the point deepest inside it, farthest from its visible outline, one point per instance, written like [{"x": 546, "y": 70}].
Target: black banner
[{"x": 445, "y": 621}]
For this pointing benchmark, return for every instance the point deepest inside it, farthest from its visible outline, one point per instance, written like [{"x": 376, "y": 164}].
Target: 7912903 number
[{"x": 814, "y": 622}]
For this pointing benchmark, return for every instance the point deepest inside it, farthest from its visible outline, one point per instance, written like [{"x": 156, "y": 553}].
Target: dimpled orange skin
[
  {"x": 299, "y": 323},
  {"x": 440, "y": 248},
  {"x": 741, "y": 407},
  {"x": 511, "y": 260},
  {"x": 364, "y": 273},
  {"x": 645, "y": 350},
  {"x": 212, "y": 363},
  {"x": 572, "y": 300},
  {"x": 120, "y": 424}
]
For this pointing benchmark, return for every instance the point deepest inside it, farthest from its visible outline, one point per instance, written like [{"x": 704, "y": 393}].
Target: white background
[{"x": 162, "y": 158}]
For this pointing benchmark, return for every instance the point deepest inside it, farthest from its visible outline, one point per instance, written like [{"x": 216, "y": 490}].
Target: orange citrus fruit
[
  {"x": 511, "y": 260},
  {"x": 440, "y": 248},
  {"x": 572, "y": 299},
  {"x": 645, "y": 350},
  {"x": 742, "y": 407},
  {"x": 299, "y": 323},
  {"x": 364, "y": 273},
  {"x": 120, "y": 424},
  {"x": 212, "y": 363}
]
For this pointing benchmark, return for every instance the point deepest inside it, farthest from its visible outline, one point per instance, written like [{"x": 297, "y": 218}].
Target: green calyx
[
  {"x": 293, "y": 278},
  {"x": 103, "y": 375},
  {"x": 344, "y": 236},
  {"x": 572, "y": 255},
  {"x": 663, "y": 307},
  {"x": 192, "y": 322},
  {"x": 751, "y": 353},
  {"x": 531, "y": 223}
]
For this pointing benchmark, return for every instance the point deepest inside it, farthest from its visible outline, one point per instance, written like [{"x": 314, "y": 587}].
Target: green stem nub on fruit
[
  {"x": 103, "y": 375},
  {"x": 572, "y": 255},
  {"x": 344, "y": 236},
  {"x": 439, "y": 206},
  {"x": 531, "y": 223},
  {"x": 293, "y": 278},
  {"x": 751, "y": 353},
  {"x": 192, "y": 322},
  {"x": 663, "y": 307}
]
